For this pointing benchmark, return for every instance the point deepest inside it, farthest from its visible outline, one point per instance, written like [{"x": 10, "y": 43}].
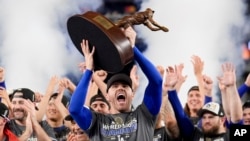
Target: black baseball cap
[
  {"x": 65, "y": 101},
  {"x": 120, "y": 77},
  {"x": 26, "y": 94},
  {"x": 98, "y": 97}
]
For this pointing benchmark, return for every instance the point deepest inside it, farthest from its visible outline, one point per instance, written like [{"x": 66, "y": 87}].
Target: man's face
[
  {"x": 100, "y": 107},
  {"x": 52, "y": 112},
  {"x": 246, "y": 116},
  {"x": 120, "y": 96},
  {"x": 18, "y": 111},
  {"x": 211, "y": 124}
]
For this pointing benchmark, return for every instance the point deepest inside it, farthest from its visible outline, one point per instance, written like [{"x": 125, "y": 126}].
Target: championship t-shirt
[{"x": 137, "y": 125}]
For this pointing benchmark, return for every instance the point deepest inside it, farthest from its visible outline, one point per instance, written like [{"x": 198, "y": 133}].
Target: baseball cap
[
  {"x": 99, "y": 97},
  {"x": 120, "y": 77},
  {"x": 65, "y": 100},
  {"x": 26, "y": 94},
  {"x": 4, "y": 111},
  {"x": 212, "y": 107}
]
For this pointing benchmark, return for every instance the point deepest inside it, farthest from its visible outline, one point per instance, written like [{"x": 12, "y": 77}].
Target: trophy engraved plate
[
  {"x": 102, "y": 21},
  {"x": 112, "y": 48}
]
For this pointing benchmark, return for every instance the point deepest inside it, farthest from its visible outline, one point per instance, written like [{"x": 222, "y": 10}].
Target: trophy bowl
[{"x": 112, "y": 48}]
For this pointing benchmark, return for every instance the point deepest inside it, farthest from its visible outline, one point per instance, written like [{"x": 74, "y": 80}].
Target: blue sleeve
[
  {"x": 2, "y": 84},
  {"x": 185, "y": 125},
  {"x": 207, "y": 99},
  {"x": 153, "y": 93},
  {"x": 229, "y": 124},
  {"x": 81, "y": 114},
  {"x": 242, "y": 89}
]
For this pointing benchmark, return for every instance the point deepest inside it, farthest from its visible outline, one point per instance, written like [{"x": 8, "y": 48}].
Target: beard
[{"x": 212, "y": 131}]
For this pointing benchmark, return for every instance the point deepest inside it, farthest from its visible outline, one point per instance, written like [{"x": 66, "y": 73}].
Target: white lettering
[{"x": 240, "y": 132}]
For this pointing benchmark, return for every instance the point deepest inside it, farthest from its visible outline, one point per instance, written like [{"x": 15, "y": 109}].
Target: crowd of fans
[{"x": 102, "y": 110}]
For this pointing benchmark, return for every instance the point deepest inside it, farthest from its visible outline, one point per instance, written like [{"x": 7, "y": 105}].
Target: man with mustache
[
  {"x": 5, "y": 133},
  {"x": 25, "y": 124}
]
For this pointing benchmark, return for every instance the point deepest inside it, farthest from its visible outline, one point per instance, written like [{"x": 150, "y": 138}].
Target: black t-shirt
[
  {"x": 194, "y": 120},
  {"x": 161, "y": 134},
  {"x": 199, "y": 136}
]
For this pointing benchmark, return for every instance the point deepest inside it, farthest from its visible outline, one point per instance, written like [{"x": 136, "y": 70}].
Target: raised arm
[
  {"x": 99, "y": 76},
  {"x": 42, "y": 106},
  {"x": 68, "y": 84},
  {"x": 167, "y": 114},
  {"x": 82, "y": 115},
  {"x": 152, "y": 96},
  {"x": 181, "y": 78},
  {"x": 198, "y": 66},
  {"x": 225, "y": 99},
  {"x": 228, "y": 79},
  {"x": 134, "y": 77},
  {"x": 207, "y": 84},
  {"x": 185, "y": 125},
  {"x": 245, "y": 86}
]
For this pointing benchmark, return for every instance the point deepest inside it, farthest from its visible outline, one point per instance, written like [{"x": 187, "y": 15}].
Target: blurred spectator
[
  {"x": 120, "y": 6},
  {"x": 246, "y": 112},
  {"x": 25, "y": 124},
  {"x": 55, "y": 115},
  {"x": 99, "y": 104},
  {"x": 76, "y": 133},
  {"x": 5, "y": 133}
]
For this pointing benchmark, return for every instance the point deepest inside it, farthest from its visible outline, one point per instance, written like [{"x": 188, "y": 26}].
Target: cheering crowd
[{"x": 100, "y": 110}]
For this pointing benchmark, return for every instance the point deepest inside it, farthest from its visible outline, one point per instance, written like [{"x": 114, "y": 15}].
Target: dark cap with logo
[{"x": 120, "y": 77}]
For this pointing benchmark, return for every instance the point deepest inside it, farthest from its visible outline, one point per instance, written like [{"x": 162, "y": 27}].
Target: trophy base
[{"x": 112, "y": 48}]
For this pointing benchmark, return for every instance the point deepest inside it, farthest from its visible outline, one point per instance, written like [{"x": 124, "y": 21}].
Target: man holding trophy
[{"x": 123, "y": 123}]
